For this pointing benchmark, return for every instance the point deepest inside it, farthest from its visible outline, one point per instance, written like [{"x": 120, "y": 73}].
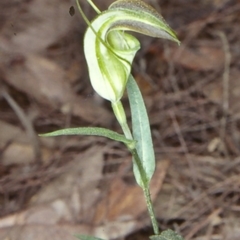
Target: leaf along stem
[{"x": 121, "y": 117}]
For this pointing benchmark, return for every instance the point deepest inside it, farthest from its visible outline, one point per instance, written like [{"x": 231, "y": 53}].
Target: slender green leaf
[
  {"x": 93, "y": 131},
  {"x": 141, "y": 132},
  {"x": 84, "y": 237},
  {"x": 167, "y": 235}
]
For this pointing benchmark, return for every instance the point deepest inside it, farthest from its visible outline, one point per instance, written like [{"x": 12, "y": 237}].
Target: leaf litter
[{"x": 80, "y": 185}]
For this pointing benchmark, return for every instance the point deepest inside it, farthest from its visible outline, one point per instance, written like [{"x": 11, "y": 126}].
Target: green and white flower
[{"x": 109, "y": 50}]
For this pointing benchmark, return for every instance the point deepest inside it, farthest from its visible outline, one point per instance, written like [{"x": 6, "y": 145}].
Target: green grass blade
[{"x": 84, "y": 237}]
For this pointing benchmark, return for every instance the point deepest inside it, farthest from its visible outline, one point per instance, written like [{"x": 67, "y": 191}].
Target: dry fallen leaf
[
  {"x": 116, "y": 229},
  {"x": 25, "y": 36},
  {"x": 34, "y": 27},
  {"x": 17, "y": 146},
  {"x": 215, "y": 91},
  {"x": 10, "y": 132},
  {"x": 66, "y": 199},
  {"x": 17, "y": 153},
  {"x": 43, "y": 232},
  {"x": 126, "y": 202},
  {"x": 44, "y": 80},
  {"x": 199, "y": 58}
]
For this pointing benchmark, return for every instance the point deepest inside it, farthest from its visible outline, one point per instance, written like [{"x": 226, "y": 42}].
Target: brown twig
[{"x": 27, "y": 124}]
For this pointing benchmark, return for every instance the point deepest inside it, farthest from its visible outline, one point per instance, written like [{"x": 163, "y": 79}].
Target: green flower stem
[
  {"x": 121, "y": 117},
  {"x": 150, "y": 210},
  {"x": 145, "y": 188}
]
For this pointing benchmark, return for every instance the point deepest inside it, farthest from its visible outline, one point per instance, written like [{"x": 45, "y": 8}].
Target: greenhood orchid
[{"x": 110, "y": 51}]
